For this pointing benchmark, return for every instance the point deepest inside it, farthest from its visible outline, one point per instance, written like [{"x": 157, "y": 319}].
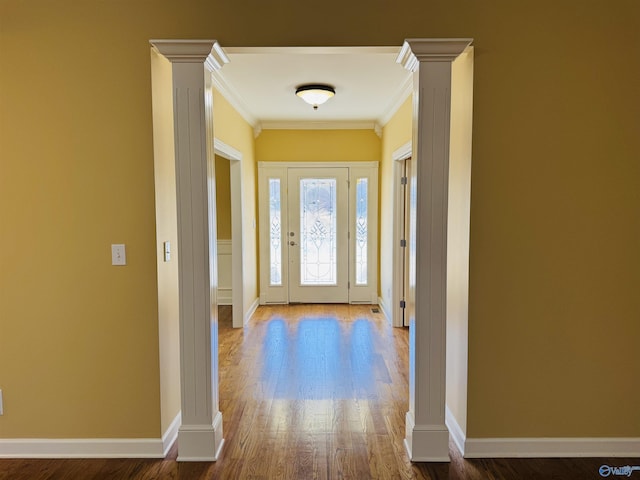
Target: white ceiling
[{"x": 260, "y": 83}]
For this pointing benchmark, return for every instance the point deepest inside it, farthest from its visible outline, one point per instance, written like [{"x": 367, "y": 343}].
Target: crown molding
[
  {"x": 328, "y": 125},
  {"x": 404, "y": 92},
  {"x": 415, "y": 50},
  {"x": 314, "y": 50},
  {"x": 214, "y": 58},
  {"x": 230, "y": 94},
  {"x": 217, "y": 58}
]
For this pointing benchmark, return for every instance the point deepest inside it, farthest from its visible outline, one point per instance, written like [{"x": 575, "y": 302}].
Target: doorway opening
[
  {"x": 427, "y": 436},
  {"x": 233, "y": 177}
]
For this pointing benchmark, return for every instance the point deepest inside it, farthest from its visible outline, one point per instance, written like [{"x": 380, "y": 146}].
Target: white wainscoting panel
[{"x": 225, "y": 269}]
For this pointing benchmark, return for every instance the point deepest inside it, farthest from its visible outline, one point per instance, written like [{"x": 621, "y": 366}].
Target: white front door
[
  {"x": 318, "y": 232},
  {"x": 318, "y": 236}
]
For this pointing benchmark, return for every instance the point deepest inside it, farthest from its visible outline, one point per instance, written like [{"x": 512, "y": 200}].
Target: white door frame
[
  {"x": 430, "y": 60},
  {"x": 398, "y": 258},
  {"x": 237, "y": 264}
]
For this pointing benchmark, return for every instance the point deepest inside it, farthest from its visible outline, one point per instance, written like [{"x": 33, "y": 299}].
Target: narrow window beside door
[
  {"x": 362, "y": 232},
  {"x": 275, "y": 224}
]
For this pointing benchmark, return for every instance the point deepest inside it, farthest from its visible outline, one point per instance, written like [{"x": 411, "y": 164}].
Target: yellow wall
[
  {"x": 166, "y": 230},
  {"x": 395, "y": 134},
  {"x": 553, "y": 307},
  {"x": 233, "y": 130},
  {"x": 458, "y": 236},
  {"x": 223, "y": 198},
  {"x": 317, "y": 146}
]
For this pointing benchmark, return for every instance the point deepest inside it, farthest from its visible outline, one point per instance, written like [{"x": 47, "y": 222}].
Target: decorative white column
[
  {"x": 427, "y": 437},
  {"x": 200, "y": 435}
]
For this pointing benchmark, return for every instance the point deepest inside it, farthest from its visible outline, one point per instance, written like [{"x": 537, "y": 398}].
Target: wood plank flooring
[{"x": 311, "y": 392}]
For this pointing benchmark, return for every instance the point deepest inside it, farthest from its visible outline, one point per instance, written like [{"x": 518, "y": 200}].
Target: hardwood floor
[{"x": 311, "y": 392}]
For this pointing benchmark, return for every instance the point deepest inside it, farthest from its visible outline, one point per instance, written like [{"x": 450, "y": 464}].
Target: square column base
[
  {"x": 200, "y": 443},
  {"x": 426, "y": 445}
]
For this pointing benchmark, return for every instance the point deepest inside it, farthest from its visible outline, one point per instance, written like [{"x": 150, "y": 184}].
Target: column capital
[
  {"x": 208, "y": 52},
  {"x": 415, "y": 50}
]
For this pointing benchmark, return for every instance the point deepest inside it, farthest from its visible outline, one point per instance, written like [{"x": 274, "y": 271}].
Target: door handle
[{"x": 292, "y": 243}]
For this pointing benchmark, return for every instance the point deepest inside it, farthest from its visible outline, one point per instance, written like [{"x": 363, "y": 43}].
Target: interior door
[{"x": 318, "y": 235}]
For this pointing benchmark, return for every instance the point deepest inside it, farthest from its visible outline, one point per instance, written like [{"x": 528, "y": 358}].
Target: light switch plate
[
  {"x": 118, "y": 254},
  {"x": 167, "y": 251}
]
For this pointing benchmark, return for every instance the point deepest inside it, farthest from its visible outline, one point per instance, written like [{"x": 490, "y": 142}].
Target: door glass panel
[
  {"x": 318, "y": 231},
  {"x": 275, "y": 233},
  {"x": 361, "y": 231}
]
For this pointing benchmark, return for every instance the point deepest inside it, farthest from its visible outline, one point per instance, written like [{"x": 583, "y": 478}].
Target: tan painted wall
[
  {"x": 317, "y": 146},
  {"x": 166, "y": 230},
  {"x": 553, "y": 307},
  {"x": 395, "y": 134},
  {"x": 223, "y": 198}
]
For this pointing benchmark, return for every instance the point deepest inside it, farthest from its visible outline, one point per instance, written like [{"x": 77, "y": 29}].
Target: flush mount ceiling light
[{"x": 315, "y": 94}]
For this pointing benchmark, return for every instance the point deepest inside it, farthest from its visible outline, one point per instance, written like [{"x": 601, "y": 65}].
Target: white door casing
[{"x": 400, "y": 232}]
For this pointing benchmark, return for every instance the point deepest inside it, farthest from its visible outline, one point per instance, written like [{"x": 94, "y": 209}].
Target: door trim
[
  {"x": 398, "y": 156},
  {"x": 237, "y": 267}
]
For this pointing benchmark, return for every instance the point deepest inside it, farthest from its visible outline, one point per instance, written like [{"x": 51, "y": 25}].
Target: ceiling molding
[
  {"x": 217, "y": 58},
  {"x": 314, "y": 50},
  {"x": 226, "y": 89},
  {"x": 233, "y": 98},
  {"x": 328, "y": 125},
  {"x": 404, "y": 92}
]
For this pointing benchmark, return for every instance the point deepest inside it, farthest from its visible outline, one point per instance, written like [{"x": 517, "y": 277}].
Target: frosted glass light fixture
[{"x": 315, "y": 94}]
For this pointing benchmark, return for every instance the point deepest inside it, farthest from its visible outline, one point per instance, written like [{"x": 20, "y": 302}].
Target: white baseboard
[
  {"x": 91, "y": 447},
  {"x": 551, "y": 447},
  {"x": 251, "y": 310},
  {"x": 385, "y": 309},
  {"x": 171, "y": 434},
  {"x": 225, "y": 296},
  {"x": 455, "y": 430},
  {"x": 82, "y": 448}
]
